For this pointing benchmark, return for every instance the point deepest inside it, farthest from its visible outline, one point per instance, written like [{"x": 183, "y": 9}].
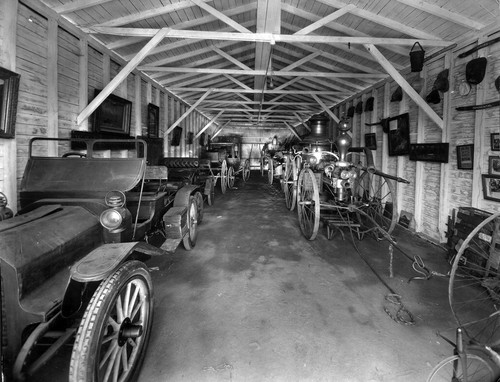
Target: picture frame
[
  {"x": 190, "y": 138},
  {"x": 9, "y": 93},
  {"x": 430, "y": 152},
  {"x": 465, "y": 157},
  {"x": 495, "y": 141},
  {"x": 399, "y": 135},
  {"x": 494, "y": 165},
  {"x": 491, "y": 187},
  {"x": 113, "y": 115},
  {"x": 153, "y": 121},
  {"x": 371, "y": 141},
  {"x": 176, "y": 136}
]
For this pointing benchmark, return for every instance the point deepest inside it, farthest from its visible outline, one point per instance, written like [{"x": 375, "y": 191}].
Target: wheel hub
[{"x": 128, "y": 330}]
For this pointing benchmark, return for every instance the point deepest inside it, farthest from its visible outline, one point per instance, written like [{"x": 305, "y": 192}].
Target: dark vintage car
[{"x": 73, "y": 260}]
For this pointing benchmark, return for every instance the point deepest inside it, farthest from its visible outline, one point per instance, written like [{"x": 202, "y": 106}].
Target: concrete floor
[{"x": 255, "y": 301}]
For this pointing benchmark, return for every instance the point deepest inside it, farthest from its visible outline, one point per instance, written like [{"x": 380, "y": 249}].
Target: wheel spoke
[
  {"x": 126, "y": 299},
  {"x": 119, "y": 309},
  {"x": 132, "y": 304}
]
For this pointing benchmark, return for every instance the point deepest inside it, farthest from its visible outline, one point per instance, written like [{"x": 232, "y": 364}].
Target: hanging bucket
[{"x": 417, "y": 54}]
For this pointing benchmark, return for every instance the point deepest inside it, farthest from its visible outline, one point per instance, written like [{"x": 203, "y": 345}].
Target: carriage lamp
[{"x": 113, "y": 218}]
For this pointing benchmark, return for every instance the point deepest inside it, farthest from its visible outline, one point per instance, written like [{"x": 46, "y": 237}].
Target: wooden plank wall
[
  {"x": 436, "y": 189},
  {"x": 49, "y": 59}
]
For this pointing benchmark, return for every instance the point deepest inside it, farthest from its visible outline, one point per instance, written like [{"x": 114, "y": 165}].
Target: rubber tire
[
  {"x": 199, "y": 200},
  {"x": 189, "y": 239},
  {"x": 87, "y": 347}
]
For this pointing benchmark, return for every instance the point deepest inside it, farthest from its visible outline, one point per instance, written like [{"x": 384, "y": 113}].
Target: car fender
[
  {"x": 182, "y": 195},
  {"x": 98, "y": 265}
]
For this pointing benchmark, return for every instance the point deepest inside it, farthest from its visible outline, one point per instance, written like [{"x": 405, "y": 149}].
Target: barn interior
[{"x": 265, "y": 124}]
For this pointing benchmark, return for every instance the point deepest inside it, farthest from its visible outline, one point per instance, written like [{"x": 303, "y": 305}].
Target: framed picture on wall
[
  {"x": 495, "y": 141},
  {"x": 465, "y": 157},
  {"x": 371, "y": 141},
  {"x": 153, "y": 121},
  {"x": 113, "y": 115},
  {"x": 399, "y": 135},
  {"x": 429, "y": 152},
  {"x": 494, "y": 165},
  {"x": 491, "y": 187}
]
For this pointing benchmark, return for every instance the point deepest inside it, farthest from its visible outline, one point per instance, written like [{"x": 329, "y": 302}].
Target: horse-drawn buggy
[
  {"x": 341, "y": 187},
  {"x": 73, "y": 260},
  {"x": 224, "y": 156}
]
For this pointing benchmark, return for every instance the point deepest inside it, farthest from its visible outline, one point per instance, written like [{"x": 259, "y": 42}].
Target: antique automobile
[
  {"x": 224, "y": 155},
  {"x": 73, "y": 260}
]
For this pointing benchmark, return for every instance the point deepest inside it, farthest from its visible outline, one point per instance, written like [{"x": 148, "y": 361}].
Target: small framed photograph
[
  {"x": 465, "y": 157},
  {"x": 495, "y": 141},
  {"x": 371, "y": 141},
  {"x": 491, "y": 187},
  {"x": 153, "y": 121},
  {"x": 494, "y": 165}
]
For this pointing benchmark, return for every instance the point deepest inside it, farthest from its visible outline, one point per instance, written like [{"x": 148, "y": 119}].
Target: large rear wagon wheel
[
  {"x": 113, "y": 335},
  {"x": 270, "y": 170},
  {"x": 246, "y": 170},
  {"x": 230, "y": 177},
  {"x": 223, "y": 176},
  {"x": 189, "y": 240},
  {"x": 290, "y": 183},
  {"x": 199, "y": 202},
  {"x": 454, "y": 368},
  {"x": 375, "y": 196},
  {"x": 474, "y": 285},
  {"x": 308, "y": 207}
]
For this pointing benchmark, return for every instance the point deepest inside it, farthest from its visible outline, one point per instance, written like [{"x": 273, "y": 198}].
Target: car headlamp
[{"x": 111, "y": 219}]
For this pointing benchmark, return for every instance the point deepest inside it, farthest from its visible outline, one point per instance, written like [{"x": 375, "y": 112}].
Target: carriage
[
  {"x": 73, "y": 260},
  {"x": 340, "y": 188},
  {"x": 225, "y": 160}
]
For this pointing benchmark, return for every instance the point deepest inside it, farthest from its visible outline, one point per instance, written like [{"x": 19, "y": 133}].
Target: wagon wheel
[
  {"x": 230, "y": 177},
  {"x": 308, "y": 204},
  {"x": 114, "y": 332},
  {"x": 246, "y": 170},
  {"x": 223, "y": 176},
  {"x": 474, "y": 285},
  {"x": 262, "y": 164},
  {"x": 270, "y": 170},
  {"x": 41, "y": 345},
  {"x": 452, "y": 369},
  {"x": 189, "y": 240},
  {"x": 290, "y": 183},
  {"x": 374, "y": 195},
  {"x": 211, "y": 191},
  {"x": 199, "y": 203}
]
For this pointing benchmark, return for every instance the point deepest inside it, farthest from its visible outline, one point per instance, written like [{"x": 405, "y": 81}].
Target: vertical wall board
[
  {"x": 32, "y": 66},
  {"x": 95, "y": 69},
  {"x": 68, "y": 66}
]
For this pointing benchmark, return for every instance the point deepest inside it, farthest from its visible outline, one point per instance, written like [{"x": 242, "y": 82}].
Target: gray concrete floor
[{"x": 256, "y": 301}]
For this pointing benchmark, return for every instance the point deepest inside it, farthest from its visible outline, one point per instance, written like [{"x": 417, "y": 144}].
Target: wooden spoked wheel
[
  {"x": 223, "y": 176},
  {"x": 270, "y": 170},
  {"x": 211, "y": 190},
  {"x": 246, "y": 170},
  {"x": 469, "y": 367},
  {"x": 230, "y": 177},
  {"x": 290, "y": 177},
  {"x": 262, "y": 165},
  {"x": 114, "y": 332},
  {"x": 474, "y": 285},
  {"x": 308, "y": 207},
  {"x": 374, "y": 195}
]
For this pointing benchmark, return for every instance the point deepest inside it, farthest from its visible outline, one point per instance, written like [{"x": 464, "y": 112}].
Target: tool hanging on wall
[
  {"x": 483, "y": 106},
  {"x": 480, "y": 46}
]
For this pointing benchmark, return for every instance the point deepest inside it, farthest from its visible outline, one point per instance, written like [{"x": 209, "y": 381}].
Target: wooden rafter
[{"x": 189, "y": 111}]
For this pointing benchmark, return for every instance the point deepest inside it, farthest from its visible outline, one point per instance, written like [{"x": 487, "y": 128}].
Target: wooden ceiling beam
[
  {"x": 326, "y": 20},
  {"x": 381, "y": 20},
  {"x": 276, "y": 73},
  {"x": 189, "y": 111},
  {"x": 231, "y": 58},
  {"x": 326, "y": 108},
  {"x": 221, "y": 16},
  {"x": 264, "y": 37},
  {"x": 444, "y": 13},
  {"x": 405, "y": 86},
  {"x": 292, "y": 130},
  {"x": 78, "y": 5},
  {"x": 210, "y": 123},
  {"x": 122, "y": 75}
]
